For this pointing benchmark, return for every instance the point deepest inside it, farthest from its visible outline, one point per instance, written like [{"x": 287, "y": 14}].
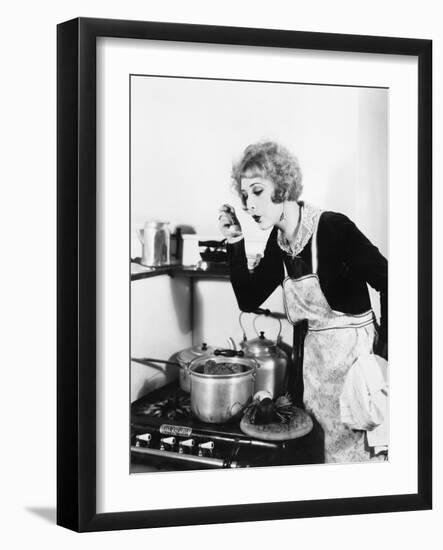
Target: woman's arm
[
  {"x": 367, "y": 262},
  {"x": 252, "y": 289}
]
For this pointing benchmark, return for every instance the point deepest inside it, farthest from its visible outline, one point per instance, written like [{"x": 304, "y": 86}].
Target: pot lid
[
  {"x": 260, "y": 346},
  {"x": 188, "y": 354}
]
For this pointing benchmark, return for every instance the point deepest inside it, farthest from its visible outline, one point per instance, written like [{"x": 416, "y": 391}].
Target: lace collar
[{"x": 309, "y": 216}]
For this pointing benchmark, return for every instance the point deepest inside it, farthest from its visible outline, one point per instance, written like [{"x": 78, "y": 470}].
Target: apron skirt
[{"x": 332, "y": 344}]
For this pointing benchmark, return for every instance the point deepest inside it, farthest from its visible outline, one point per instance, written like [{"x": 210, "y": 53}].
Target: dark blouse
[{"x": 347, "y": 260}]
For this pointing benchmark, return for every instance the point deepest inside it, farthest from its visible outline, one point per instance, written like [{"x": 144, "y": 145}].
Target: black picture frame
[{"x": 76, "y": 273}]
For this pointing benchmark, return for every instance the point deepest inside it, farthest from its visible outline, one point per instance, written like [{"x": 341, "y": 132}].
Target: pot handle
[
  {"x": 254, "y": 373},
  {"x": 229, "y": 353},
  {"x": 147, "y": 360}
]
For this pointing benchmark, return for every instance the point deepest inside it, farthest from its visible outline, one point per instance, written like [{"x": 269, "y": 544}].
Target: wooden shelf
[{"x": 141, "y": 272}]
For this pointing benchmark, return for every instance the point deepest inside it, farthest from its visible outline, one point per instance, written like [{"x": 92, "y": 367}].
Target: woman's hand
[
  {"x": 228, "y": 223},
  {"x": 382, "y": 350},
  {"x": 380, "y": 347}
]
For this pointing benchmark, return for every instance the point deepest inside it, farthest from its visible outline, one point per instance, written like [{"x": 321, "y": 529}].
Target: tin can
[{"x": 155, "y": 239}]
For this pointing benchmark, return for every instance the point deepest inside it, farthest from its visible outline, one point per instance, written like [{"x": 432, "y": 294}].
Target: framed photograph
[{"x": 244, "y": 274}]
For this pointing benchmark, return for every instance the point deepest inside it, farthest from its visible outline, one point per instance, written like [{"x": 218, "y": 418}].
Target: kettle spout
[{"x": 231, "y": 343}]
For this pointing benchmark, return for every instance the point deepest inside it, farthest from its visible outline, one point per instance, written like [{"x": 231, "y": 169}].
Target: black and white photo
[{"x": 259, "y": 224}]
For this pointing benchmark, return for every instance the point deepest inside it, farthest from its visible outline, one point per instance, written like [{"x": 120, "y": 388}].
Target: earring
[{"x": 282, "y": 217}]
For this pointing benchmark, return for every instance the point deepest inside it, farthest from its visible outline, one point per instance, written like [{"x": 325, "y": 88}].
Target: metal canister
[{"x": 155, "y": 239}]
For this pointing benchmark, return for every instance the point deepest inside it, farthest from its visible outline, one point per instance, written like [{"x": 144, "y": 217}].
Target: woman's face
[{"x": 257, "y": 192}]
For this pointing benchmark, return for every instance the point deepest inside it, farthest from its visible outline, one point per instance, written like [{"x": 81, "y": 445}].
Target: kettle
[{"x": 272, "y": 371}]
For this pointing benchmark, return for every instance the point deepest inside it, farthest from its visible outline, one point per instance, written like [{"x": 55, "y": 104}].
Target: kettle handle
[
  {"x": 258, "y": 311},
  {"x": 257, "y": 332},
  {"x": 241, "y": 325}
]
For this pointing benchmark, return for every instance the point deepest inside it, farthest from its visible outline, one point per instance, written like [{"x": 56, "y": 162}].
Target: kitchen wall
[
  {"x": 217, "y": 315},
  {"x": 160, "y": 326}
]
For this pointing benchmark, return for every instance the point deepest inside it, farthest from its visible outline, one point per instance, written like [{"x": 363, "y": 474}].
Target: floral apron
[{"x": 333, "y": 342}]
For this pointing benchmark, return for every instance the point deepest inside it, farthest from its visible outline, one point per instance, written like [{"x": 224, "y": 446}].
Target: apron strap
[
  {"x": 314, "y": 256},
  {"x": 313, "y": 249}
]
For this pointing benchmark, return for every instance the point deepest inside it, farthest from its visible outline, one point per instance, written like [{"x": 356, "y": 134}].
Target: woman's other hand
[
  {"x": 228, "y": 223},
  {"x": 382, "y": 350},
  {"x": 380, "y": 347}
]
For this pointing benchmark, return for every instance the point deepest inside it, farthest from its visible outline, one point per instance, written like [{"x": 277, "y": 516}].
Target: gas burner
[{"x": 175, "y": 406}]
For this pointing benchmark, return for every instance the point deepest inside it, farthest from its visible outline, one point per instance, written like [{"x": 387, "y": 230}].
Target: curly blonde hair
[{"x": 272, "y": 161}]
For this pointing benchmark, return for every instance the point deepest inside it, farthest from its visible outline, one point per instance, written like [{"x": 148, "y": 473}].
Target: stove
[{"x": 166, "y": 436}]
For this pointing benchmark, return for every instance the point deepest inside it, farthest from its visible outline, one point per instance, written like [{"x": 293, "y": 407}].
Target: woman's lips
[{"x": 257, "y": 218}]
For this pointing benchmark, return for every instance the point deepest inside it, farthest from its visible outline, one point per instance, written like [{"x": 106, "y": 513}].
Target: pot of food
[
  {"x": 185, "y": 357},
  {"x": 221, "y": 385},
  {"x": 273, "y": 361}
]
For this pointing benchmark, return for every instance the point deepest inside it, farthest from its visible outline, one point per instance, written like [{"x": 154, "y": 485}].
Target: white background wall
[
  {"x": 160, "y": 327},
  {"x": 28, "y": 276}
]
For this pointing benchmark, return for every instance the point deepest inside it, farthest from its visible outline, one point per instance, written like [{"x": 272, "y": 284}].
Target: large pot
[
  {"x": 272, "y": 375},
  {"x": 220, "y": 398}
]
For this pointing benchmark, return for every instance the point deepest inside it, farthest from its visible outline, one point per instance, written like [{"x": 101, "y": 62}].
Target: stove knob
[
  {"x": 206, "y": 448},
  {"x": 186, "y": 446},
  {"x": 167, "y": 442},
  {"x": 143, "y": 440}
]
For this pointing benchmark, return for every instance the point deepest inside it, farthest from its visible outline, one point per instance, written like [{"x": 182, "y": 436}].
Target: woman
[{"x": 323, "y": 262}]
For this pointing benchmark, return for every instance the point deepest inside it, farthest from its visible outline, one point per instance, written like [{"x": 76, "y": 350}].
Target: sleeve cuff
[{"x": 236, "y": 251}]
